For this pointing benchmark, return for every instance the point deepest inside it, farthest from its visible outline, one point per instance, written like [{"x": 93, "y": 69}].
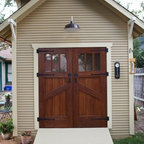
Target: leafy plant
[
  {"x": 135, "y": 139},
  {"x": 138, "y": 54},
  {"x": 26, "y": 133},
  {"x": 6, "y": 126},
  {"x": 7, "y": 95}
]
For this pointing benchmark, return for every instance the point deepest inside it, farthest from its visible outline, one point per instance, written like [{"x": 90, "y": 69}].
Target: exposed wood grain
[{"x": 78, "y": 102}]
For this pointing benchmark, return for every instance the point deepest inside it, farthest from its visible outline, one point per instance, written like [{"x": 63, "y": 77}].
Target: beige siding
[{"x": 46, "y": 25}]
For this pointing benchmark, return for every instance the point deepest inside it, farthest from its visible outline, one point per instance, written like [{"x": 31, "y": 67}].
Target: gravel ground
[{"x": 139, "y": 124}]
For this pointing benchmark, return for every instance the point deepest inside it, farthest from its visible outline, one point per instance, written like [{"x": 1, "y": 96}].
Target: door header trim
[{"x": 71, "y": 45}]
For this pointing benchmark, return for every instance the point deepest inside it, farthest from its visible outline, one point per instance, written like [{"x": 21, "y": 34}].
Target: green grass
[{"x": 136, "y": 139}]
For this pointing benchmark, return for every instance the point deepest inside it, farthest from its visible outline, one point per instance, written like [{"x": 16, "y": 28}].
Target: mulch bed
[{"x": 13, "y": 140}]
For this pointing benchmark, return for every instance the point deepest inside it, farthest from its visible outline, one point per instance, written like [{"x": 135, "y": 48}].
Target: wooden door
[
  {"x": 55, "y": 90},
  {"x": 90, "y": 96},
  {"x": 72, "y": 87}
]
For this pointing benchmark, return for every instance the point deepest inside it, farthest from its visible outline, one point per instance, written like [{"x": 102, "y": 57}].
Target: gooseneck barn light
[{"x": 72, "y": 27}]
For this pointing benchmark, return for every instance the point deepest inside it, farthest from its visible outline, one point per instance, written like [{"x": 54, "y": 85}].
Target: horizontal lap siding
[{"x": 46, "y": 25}]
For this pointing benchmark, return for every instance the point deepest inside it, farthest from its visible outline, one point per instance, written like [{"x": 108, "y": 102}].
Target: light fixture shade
[{"x": 72, "y": 27}]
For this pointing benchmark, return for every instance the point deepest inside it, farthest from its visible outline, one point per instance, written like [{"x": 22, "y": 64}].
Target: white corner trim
[
  {"x": 36, "y": 90},
  {"x": 131, "y": 85},
  {"x": 109, "y": 88},
  {"x": 72, "y": 45},
  {"x": 14, "y": 86}
]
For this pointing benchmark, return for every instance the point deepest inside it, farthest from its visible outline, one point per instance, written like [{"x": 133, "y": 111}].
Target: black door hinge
[
  {"x": 51, "y": 75},
  {"x": 41, "y": 119},
  {"x": 96, "y": 74},
  {"x": 44, "y": 50},
  {"x": 107, "y": 118},
  {"x": 100, "y": 50},
  {"x": 106, "y": 49}
]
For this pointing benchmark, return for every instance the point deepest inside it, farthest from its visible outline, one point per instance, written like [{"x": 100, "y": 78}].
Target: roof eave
[
  {"x": 22, "y": 12},
  {"x": 31, "y": 5}
]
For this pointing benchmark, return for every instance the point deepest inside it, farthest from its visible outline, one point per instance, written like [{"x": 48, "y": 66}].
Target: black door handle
[
  {"x": 75, "y": 77},
  {"x": 69, "y": 78}
]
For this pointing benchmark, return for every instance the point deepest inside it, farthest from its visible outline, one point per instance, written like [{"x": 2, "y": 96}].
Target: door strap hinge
[
  {"x": 38, "y": 75},
  {"x": 106, "y": 49},
  {"x": 41, "y": 119},
  {"x": 44, "y": 50},
  {"x": 107, "y": 118},
  {"x": 100, "y": 50},
  {"x": 96, "y": 74}
]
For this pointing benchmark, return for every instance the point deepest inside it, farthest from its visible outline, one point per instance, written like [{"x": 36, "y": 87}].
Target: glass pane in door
[
  {"x": 89, "y": 61},
  {"x": 55, "y": 63},
  {"x": 81, "y": 63},
  {"x": 97, "y": 62},
  {"x": 48, "y": 63},
  {"x": 63, "y": 63}
]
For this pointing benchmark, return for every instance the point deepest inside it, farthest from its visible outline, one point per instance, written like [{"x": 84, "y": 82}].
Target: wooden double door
[{"x": 72, "y": 87}]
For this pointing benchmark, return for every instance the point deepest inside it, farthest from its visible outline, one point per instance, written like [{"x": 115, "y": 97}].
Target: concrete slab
[{"x": 73, "y": 136}]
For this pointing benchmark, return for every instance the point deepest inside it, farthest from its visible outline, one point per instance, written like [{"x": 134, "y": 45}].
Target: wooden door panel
[
  {"x": 55, "y": 90},
  {"x": 54, "y": 103},
  {"x": 88, "y": 106},
  {"x": 72, "y": 88},
  {"x": 90, "y": 97}
]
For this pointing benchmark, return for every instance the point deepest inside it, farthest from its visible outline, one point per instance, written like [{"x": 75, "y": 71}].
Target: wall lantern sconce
[
  {"x": 117, "y": 70},
  {"x": 72, "y": 27},
  {"x": 132, "y": 65}
]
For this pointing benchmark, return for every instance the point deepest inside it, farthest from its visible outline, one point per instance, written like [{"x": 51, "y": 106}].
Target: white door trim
[{"x": 72, "y": 45}]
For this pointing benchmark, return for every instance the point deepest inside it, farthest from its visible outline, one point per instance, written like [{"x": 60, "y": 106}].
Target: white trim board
[{"x": 72, "y": 45}]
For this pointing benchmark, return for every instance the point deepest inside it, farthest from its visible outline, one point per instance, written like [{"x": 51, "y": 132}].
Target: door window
[
  {"x": 89, "y": 62},
  {"x": 55, "y": 63},
  {"x": 63, "y": 63},
  {"x": 48, "y": 63},
  {"x": 81, "y": 63},
  {"x": 97, "y": 62}
]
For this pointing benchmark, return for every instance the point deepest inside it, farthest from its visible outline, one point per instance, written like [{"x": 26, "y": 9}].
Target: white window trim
[{"x": 71, "y": 45}]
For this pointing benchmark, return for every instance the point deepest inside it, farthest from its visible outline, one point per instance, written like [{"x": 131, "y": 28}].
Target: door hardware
[
  {"x": 41, "y": 119},
  {"x": 93, "y": 74},
  {"x": 69, "y": 78},
  {"x": 75, "y": 77},
  {"x": 38, "y": 74},
  {"x": 44, "y": 50},
  {"x": 99, "y": 50},
  {"x": 107, "y": 118}
]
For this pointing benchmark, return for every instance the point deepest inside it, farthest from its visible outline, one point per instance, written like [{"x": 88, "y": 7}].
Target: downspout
[
  {"x": 14, "y": 77},
  {"x": 131, "y": 77},
  {"x": 131, "y": 23}
]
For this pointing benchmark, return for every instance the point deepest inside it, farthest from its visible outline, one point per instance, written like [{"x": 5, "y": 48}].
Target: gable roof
[{"x": 111, "y": 4}]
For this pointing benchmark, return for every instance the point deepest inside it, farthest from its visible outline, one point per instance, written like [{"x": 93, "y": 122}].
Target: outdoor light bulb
[{"x": 117, "y": 65}]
